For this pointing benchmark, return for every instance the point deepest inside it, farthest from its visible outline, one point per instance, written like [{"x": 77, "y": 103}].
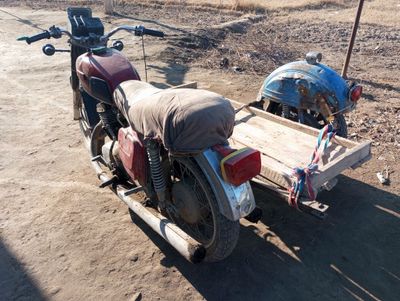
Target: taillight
[
  {"x": 241, "y": 165},
  {"x": 355, "y": 93}
]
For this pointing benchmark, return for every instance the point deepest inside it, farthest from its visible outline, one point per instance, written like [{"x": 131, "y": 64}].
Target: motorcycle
[
  {"x": 309, "y": 92},
  {"x": 169, "y": 147}
]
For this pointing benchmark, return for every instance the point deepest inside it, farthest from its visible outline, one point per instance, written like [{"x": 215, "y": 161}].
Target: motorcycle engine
[{"x": 110, "y": 153}]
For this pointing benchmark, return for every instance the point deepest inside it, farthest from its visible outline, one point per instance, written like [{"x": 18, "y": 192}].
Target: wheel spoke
[{"x": 203, "y": 229}]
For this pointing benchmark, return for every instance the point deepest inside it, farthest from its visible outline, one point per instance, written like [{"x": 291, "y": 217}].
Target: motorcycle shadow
[
  {"x": 289, "y": 255},
  {"x": 16, "y": 283},
  {"x": 173, "y": 73}
]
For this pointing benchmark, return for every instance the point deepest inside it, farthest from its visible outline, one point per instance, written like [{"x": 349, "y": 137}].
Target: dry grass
[
  {"x": 246, "y": 4},
  {"x": 375, "y": 11},
  {"x": 386, "y": 13}
]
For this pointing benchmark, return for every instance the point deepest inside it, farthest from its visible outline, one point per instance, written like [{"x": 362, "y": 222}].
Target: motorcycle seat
[
  {"x": 184, "y": 120},
  {"x": 133, "y": 91}
]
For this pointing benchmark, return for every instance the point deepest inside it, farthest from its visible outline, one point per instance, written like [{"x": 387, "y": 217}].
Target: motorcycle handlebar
[
  {"x": 137, "y": 30},
  {"x": 154, "y": 33},
  {"x": 56, "y": 32},
  {"x": 44, "y": 35}
]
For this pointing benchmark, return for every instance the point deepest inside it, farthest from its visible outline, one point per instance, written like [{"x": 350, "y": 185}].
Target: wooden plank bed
[{"x": 285, "y": 144}]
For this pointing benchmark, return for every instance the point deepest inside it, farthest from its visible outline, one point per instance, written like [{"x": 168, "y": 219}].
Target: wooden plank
[
  {"x": 291, "y": 147},
  {"x": 285, "y": 144},
  {"x": 275, "y": 135},
  {"x": 271, "y": 168},
  {"x": 346, "y": 160},
  {"x": 271, "y": 147},
  {"x": 189, "y": 85},
  {"x": 291, "y": 124},
  {"x": 108, "y": 7}
]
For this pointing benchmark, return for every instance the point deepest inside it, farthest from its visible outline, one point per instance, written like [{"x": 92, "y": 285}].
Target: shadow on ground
[
  {"x": 23, "y": 21},
  {"x": 300, "y": 256},
  {"x": 174, "y": 74},
  {"x": 15, "y": 283}
]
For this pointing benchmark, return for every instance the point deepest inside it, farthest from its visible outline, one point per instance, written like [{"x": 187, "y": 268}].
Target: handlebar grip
[
  {"x": 154, "y": 33},
  {"x": 38, "y": 37}
]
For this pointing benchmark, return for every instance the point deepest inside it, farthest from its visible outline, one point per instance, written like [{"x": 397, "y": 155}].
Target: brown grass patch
[{"x": 246, "y": 5}]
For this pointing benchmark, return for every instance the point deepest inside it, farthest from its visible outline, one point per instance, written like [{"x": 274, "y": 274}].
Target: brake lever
[
  {"x": 22, "y": 38},
  {"x": 55, "y": 32},
  {"x": 139, "y": 31}
]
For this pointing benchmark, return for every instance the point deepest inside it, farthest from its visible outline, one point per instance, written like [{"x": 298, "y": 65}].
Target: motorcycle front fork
[{"x": 77, "y": 104}]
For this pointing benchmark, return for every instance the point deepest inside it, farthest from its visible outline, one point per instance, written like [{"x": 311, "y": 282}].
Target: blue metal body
[{"x": 302, "y": 85}]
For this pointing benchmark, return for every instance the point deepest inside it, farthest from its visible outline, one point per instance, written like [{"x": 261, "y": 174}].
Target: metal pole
[{"x": 352, "y": 38}]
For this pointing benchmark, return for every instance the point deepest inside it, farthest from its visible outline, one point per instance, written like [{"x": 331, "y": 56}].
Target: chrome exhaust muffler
[{"x": 186, "y": 245}]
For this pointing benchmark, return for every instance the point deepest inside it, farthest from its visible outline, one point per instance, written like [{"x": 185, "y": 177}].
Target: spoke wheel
[{"x": 194, "y": 209}]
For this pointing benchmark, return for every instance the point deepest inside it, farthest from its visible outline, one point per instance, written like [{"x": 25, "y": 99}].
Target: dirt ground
[{"x": 63, "y": 238}]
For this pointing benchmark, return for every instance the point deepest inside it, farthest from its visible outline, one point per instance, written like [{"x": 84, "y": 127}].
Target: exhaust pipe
[{"x": 186, "y": 245}]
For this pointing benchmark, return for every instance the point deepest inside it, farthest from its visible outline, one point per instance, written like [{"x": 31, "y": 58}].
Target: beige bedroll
[{"x": 285, "y": 144}]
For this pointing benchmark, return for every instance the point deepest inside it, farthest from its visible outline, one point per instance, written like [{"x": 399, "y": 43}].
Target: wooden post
[
  {"x": 352, "y": 39},
  {"x": 108, "y": 7}
]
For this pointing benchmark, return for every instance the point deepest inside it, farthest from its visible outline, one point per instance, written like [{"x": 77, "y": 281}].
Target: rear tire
[
  {"x": 341, "y": 126},
  {"x": 225, "y": 234},
  {"x": 314, "y": 120}
]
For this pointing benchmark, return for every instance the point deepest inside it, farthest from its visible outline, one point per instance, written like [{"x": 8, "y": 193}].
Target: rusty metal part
[
  {"x": 352, "y": 38},
  {"x": 324, "y": 108},
  {"x": 186, "y": 202}
]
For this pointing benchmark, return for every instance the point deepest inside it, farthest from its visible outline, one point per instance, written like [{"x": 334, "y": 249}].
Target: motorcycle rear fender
[
  {"x": 234, "y": 202},
  {"x": 300, "y": 85}
]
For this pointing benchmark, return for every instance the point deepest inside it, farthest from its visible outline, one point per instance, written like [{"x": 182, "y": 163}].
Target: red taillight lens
[
  {"x": 241, "y": 165},
  {"x": 355, "y": 93}
]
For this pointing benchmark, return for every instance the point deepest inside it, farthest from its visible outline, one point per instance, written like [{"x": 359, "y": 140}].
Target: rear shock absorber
[
  {"x": 157, "y": 174},
  {"x": 285, "y": 111},
  {"x": 109, "y": 119}
]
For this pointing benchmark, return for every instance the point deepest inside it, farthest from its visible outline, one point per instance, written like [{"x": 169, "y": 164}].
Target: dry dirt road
[{"x": 62, "y": 238}]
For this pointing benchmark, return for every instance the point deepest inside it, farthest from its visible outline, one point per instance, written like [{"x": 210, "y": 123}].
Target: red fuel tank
[{"x": 102, "y": 70}]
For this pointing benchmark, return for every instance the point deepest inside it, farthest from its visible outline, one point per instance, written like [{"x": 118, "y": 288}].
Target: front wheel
[{"x": 194, "y": 209}]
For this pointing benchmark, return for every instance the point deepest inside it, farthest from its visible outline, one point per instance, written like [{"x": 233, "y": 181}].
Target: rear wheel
[
  {"x": 195, "y": 210},
  {"x": 341, "y": 125},
  {"x": 307, "y": 117}
]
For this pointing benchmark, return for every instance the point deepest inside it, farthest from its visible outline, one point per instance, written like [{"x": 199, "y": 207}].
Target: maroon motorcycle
[{"x": 165, "y": 153}]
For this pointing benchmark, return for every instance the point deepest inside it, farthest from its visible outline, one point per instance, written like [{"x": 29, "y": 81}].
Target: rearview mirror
[
  {"x": 118, "y": 45},
  {"x": 48, "y": 49}
]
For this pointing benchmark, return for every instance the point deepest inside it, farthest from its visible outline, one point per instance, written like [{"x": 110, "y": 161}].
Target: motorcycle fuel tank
[
  {"x": 301, "y": 84},
  {"x": 102, "y": 70}
]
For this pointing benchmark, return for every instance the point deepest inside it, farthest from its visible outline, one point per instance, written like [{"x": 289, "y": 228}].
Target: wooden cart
[{"x": 285, "y": 144}]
